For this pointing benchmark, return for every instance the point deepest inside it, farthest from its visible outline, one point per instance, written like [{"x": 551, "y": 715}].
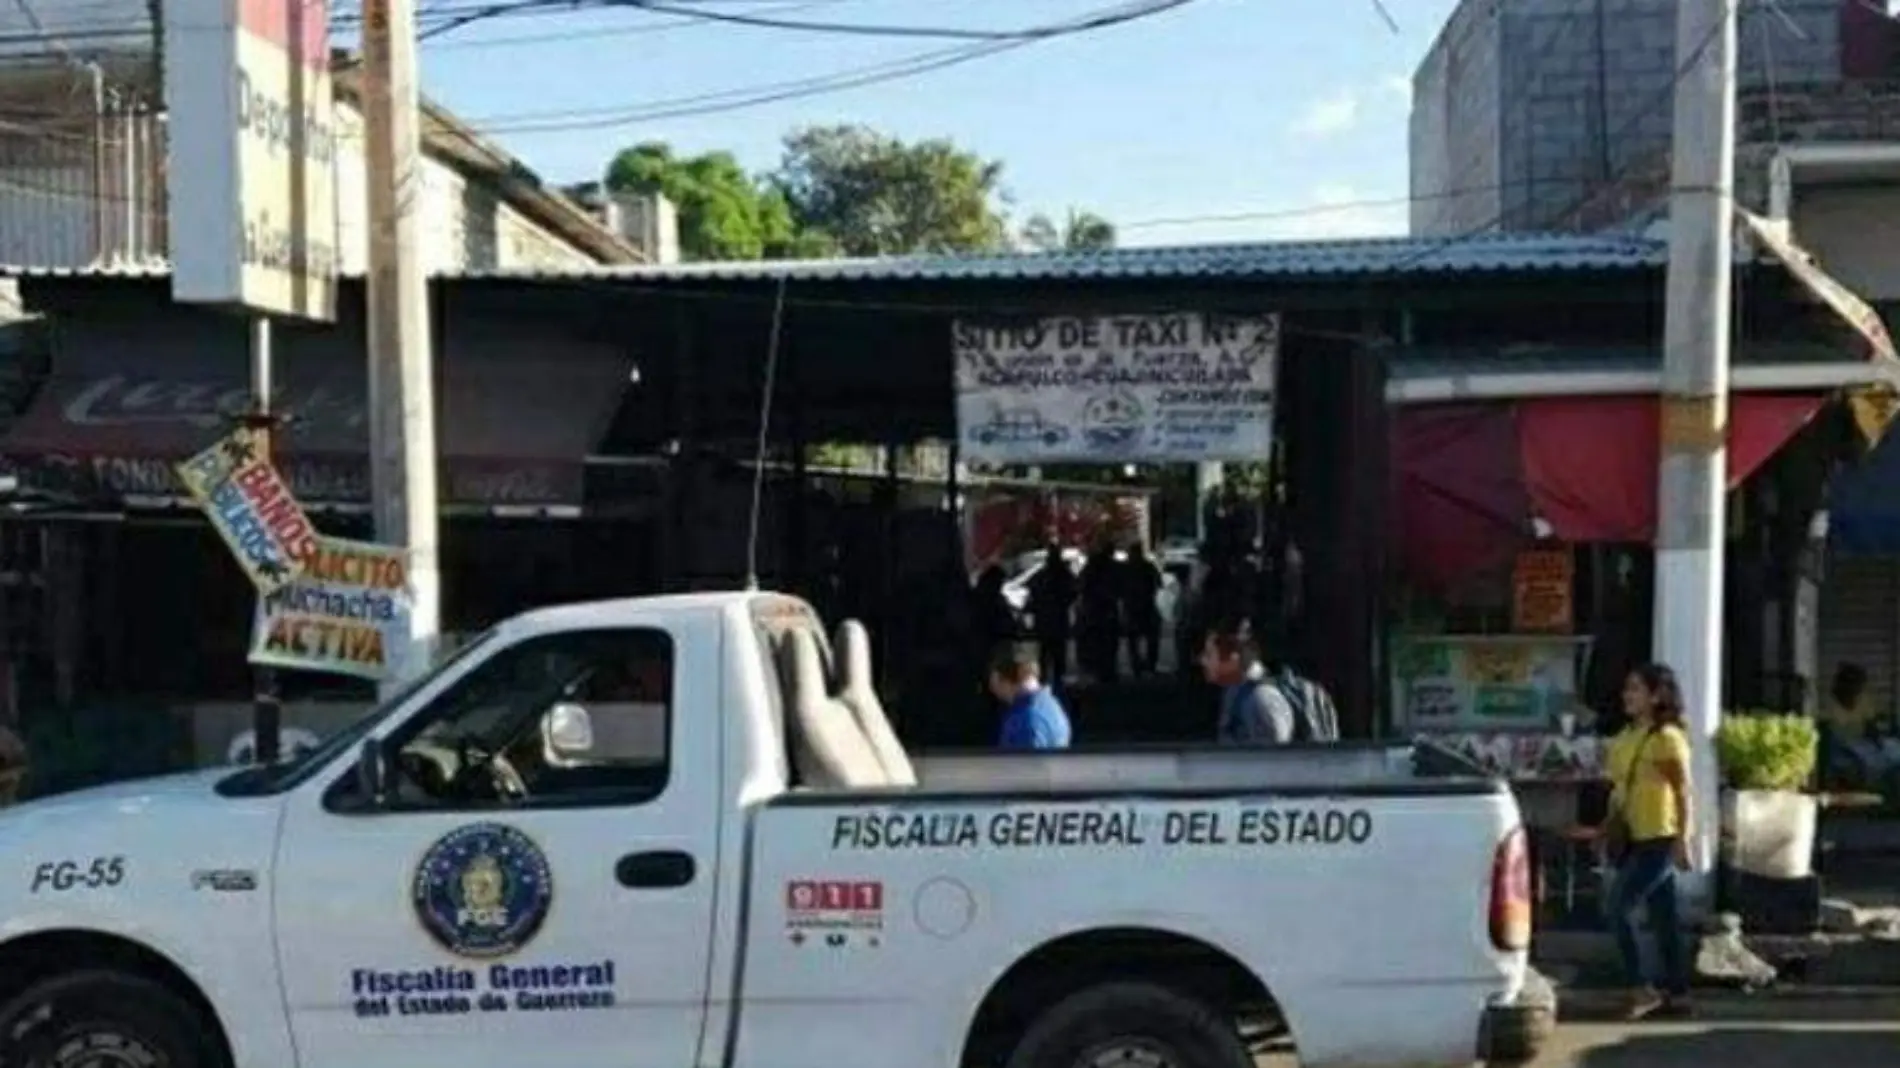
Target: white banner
[
  {"x": 348, "y": 613},
  {"x": 1178, "y": 388}
]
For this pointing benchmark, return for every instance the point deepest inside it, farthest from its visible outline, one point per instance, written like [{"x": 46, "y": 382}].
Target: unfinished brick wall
[
  {"x": 1540, "y": 111},
  {"x": 1765, "y": 121}
]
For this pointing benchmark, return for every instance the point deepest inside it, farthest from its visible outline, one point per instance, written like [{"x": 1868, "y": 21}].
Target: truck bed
[{"x": 1345, "y": 884}]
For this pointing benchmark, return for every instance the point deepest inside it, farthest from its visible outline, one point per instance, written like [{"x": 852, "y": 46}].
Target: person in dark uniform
[
  {"x": 1141, "y": 610},
  {"x": 1051, "y": 599},
  {"x": 1101, "y": 622}
]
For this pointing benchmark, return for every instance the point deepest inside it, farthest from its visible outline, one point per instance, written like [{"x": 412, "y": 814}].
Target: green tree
[
  {"x": 1082, "y": 231},
  {"x": 724, "y": 213},
  {"x": 874, "y": 195}
]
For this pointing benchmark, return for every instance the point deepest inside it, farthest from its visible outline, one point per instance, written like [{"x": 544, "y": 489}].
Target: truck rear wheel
[
  {"x": 1130, "y": 1025},
  {"x": 103, "y": 1019}
]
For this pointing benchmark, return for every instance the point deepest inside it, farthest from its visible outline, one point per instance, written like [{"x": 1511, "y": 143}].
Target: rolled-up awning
[
  {"x": 517, "y": 411},
  {"x": 1590, "y": 463}
]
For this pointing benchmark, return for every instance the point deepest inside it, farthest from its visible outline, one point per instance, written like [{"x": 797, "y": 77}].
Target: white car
[{"x": 679, "y": 832}]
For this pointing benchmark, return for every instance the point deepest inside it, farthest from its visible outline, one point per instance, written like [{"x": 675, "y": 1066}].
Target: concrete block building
[{"x": 1525, "y": 110}]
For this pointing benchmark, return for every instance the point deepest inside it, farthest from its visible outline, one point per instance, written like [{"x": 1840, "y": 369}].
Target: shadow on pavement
[{"x": 1747, "y": 1048}]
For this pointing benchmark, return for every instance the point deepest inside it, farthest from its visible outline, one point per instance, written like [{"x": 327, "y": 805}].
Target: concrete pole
[
  {"x": 1208, "y": 479},
  {"x": 401, "y": 380},
  {"x": 267, "y": 722},
  {"x": 1692, "y": 482}
]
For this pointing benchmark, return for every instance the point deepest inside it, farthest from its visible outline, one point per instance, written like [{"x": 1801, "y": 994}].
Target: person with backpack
[{"x": 1261, "y": 706}]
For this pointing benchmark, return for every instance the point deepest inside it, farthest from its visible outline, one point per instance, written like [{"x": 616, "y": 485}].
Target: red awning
[
  {"x": 1461, "y": 499},
  {"x": 1590, "y": 462},
  {"x": 517, "y": 411},
  {"x": 1469, "y": 477}
]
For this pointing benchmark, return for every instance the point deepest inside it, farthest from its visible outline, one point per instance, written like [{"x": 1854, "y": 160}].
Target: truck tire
[
  {"x": 1130, "y": 1025},
  {"x": 104, "y": 1018}
]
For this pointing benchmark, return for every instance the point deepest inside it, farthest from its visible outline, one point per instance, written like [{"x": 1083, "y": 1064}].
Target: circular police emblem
[{"x": 483, "y": 890}]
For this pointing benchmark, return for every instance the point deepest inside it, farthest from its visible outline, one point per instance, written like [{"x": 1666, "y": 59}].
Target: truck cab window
[{"x": 577, "y": 718}]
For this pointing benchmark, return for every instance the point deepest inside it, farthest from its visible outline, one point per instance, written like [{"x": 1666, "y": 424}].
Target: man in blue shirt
[{"x": 1033, "y": 719}]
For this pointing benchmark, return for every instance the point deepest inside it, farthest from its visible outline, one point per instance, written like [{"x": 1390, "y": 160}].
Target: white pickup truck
[{"x": 678, "y": 832}]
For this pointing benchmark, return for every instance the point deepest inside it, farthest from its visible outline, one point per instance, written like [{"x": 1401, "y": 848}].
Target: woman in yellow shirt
[{"x": 1648, "y": 765}]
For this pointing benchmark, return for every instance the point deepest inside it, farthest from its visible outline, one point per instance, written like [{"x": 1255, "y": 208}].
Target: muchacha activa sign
[{"x": 253, "y": 155}]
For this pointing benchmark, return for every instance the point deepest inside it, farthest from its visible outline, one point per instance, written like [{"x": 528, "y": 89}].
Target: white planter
[{"x": 1769, "y": 832}]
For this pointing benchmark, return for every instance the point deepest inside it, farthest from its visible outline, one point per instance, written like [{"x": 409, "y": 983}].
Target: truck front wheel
[
  {"x": 1130, "y": 1025},
  {"x": 103, "y": 1019}
]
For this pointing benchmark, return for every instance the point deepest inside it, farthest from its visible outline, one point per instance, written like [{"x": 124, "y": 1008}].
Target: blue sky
[{"x": 1220, "y": 107}]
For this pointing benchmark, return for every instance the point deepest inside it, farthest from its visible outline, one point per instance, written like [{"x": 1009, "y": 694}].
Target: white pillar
[
  {"x": 1693, "y": 477},
  {"x": 401, "y": 380}
]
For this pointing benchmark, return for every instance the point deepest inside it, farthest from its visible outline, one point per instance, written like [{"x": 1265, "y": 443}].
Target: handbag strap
[{"x": 1636, "y": 761}]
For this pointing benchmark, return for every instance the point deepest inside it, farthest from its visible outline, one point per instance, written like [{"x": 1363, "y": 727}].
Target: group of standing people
[{"x": 1113, "y": 602}]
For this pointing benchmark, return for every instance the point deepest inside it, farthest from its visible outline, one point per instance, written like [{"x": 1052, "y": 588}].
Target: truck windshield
[{"x": 266, "y": 779}]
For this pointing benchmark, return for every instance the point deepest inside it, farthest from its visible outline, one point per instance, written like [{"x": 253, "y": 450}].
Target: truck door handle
[{"x": 656, "y": 870}]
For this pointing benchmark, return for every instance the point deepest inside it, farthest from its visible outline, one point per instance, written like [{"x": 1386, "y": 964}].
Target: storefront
[
  {"x": 604, "y": 434},
  {"x": 1526, "y": 568},
  {"x": 126, "y": 605},
  {"x": 1859, "y": 589}
]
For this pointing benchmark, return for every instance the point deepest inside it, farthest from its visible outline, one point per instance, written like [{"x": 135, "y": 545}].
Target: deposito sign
[
  {"x": 251, "y": 507},
  {"x": 252, "y": 121},
  {"x": 347, "y": 613}
]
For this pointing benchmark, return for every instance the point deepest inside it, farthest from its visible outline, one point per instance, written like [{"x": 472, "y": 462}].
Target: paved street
[
  {"x": 1755, "y": 1045},
  {"x": 1763, "y": 1045},
  {"x": 1838, "y": 1031}
]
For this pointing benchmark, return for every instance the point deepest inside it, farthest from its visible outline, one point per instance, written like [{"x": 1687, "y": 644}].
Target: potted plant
[{"x": 1768, "y": 818}]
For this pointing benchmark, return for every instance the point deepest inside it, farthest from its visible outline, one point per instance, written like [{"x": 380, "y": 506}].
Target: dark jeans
[{"x": 1647, "y": 880}]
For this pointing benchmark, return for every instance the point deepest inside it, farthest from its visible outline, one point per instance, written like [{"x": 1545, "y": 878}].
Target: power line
[
  {"x": 875, "y": 30},
  {"x": 596, "y": 33},
  {"x": 773, "y": 92}
]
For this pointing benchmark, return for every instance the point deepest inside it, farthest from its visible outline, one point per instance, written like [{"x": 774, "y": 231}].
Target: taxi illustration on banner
[{"x": 482, "y": 891}]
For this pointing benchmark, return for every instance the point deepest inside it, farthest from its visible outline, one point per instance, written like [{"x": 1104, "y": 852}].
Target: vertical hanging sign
[
  {"x": 252, "y": 133},
  {"x": 250, "y": 506}
]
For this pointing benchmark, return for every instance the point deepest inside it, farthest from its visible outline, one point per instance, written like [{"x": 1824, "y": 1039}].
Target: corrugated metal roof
[
  {"x": 1287, "y": 261},
  {"x": 1279, "y": 260}
]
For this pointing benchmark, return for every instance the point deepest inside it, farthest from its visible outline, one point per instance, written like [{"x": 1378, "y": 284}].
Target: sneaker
[{"x": 1642, "y": 1004}]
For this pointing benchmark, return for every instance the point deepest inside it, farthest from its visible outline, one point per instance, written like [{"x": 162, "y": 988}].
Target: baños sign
[{"x": 1177, "y": 388}]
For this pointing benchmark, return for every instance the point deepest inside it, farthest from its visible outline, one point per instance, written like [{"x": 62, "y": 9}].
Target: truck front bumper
[{"x": 1513, "y": 1032}]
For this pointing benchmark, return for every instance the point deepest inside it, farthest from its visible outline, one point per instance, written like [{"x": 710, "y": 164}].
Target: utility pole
[
  {"x": 267, "y": 716},
  {"x": 401, "y": 380},
  {"x": 1208, "y": 479},
  {"x": 1691, "y": 520}
]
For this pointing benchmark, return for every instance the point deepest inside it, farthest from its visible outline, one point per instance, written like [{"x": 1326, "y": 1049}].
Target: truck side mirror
[
  {"x": 372, "y": 772},
  {"x": 567, "y": 731}
]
